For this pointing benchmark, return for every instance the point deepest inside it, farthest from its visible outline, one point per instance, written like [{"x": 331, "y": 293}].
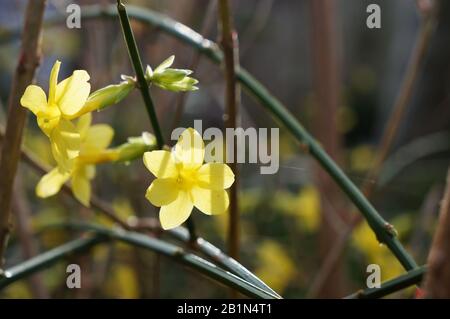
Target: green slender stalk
[
  {"x": 218, "y": 257},
  {"x": 143, "y": 86},
  {"x": 178, "y": 254},
  {"x": 410, "y": 278},
  {"x": 383, "y": 230},
  {"x": 137, "y": 65},
  {"x": 48, "y": 259}
]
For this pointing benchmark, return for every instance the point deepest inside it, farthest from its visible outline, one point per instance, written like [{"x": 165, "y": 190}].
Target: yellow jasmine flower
[
  {"x": 93, "y": 149},
  {"x": 183, "y": 181},
  {"x": 65, "y": 100}
]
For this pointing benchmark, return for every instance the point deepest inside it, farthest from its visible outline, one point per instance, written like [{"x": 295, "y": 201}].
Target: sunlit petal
[
  {"x": 73, "y": 93},
  {"x": 51, "y": 183},
  {"x": 98, "y": 138},
  {"x": 190, "y": 149},
  {"x": 215, "y": 176},
  {"x": 161, "y": 164},
  {"x": 65, "y": 143},
  {"x": 34, "y": 99},
  {"x": 83, "y": 124},
  {"x": 176, "y": 212},
  {"x": 210, "y": 201},
  {"x": 162, "y": 191},
  {"x": 53, "y": 81},
  {"x": 81, "y": 187}
]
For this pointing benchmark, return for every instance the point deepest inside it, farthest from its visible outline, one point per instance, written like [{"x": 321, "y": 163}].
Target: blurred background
[{"x": 338, "y": 77}]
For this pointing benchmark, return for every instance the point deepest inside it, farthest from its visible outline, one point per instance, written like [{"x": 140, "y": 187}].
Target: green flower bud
[
  {"x": 171, "y": 79},
  {"x": 136, "y": 147},
  {"x": 109, "y": 95},
  {"x": 166, "y": 63},
  {"x": 170, "y": 75}
]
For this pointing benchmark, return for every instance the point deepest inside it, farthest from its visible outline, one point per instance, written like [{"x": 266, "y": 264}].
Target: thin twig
[
  {"x": 137, "y": 65},
  {"x": 438, "y": 277},
  {"x": 325, "y": 42},
  {"x": 48, "y": 259},
  {"x": 29, "y": 59},
  {"x": 229, "y": 43},
  {"x": 401, "y": 282},
  {"x": 22, "y": 212}
]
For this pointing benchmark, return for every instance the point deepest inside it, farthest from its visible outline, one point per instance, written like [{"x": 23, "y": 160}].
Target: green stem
[
  {"x": 381, "y": 228},
  {"x": 410, "y": 278},
  {"x": 137, "y": 65},
  {"x": 176, "y": 253},
  {"x": 48, "y": 259},
  {"x": 217, "y": 256}
]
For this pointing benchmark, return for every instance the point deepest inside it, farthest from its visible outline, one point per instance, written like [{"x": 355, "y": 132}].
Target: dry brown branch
[
  {"x": 29, "y": 59},
  {"x": 437, "y": 283},
  {"x": 229, "y": 43}
]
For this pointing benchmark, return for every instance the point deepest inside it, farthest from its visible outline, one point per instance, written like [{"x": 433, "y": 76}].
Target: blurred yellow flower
[
  {"x": 361, "y": 158},
  {"x": 123, "y": 282},
  {"x": 275, "y": 267},
  {"x": 93, "y": 149},
  {"x": 308, "y": 208},
  {"x": 366, "y": 242},
  {"x": 305, "y": 206},
  {"x": 183, "y": 181},
  {"x": 65, "y": 100}
]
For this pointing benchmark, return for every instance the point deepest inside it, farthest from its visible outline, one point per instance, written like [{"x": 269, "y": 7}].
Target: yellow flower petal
[
  {"x": 83, "y": 124},
  {"x": 53, "y": 82},
  {"x": 98, "y": 137},
  {"x": 162, "y": 191},
  {"x": 190, "y": 149},
  {"x": 161, "y": 164},
  {"x": 210, "y": 201},
  {"x": 51, "y": 183},
  {"x": 215, "y": 176},
  {"x": 81, "y": 186},
  {"x": 73, "y": 92},
  {"x": 65, "y": 143},
  {"x": 34, "y": 99},
  {"x": 48, "y": 118},
  {"x": 176, "y": 212}
]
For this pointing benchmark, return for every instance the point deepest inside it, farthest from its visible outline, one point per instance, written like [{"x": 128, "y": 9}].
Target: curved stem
[
  {"x": 48, "y": 259},
  {"x": 137, "y": 65},
  {"x": 410, "y": 278},
  {"x": 174, "y": 252}
]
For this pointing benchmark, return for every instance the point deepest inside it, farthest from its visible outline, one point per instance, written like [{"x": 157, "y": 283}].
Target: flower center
[{"x": 186, "y": 179}]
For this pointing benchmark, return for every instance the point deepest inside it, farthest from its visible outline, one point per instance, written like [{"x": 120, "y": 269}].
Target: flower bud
[
  {"x": 135, "y": 147},
  {"x": 109, "y": 95}
]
